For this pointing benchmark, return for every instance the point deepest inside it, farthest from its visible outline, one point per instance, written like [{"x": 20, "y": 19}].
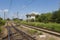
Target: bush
[{"x": 2, "y": 22}]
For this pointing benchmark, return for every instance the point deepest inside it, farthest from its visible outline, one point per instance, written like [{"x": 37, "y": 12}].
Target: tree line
[
  {"x": 49, "y": 17},
  {"x": 2, "y": 22}
]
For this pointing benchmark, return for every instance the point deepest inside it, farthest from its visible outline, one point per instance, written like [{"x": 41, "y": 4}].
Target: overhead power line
[
  {"x": 26, "y": 6},
  {"x": 10, "y": 4},
  {"x": 11, "y": 1}
]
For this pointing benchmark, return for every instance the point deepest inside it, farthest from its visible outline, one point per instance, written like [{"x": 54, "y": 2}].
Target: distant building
[{"x": 31, "y": 17}]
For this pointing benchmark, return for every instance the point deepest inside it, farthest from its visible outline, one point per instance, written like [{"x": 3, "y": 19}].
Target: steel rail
[
  {"x": 9, "y": 35},
  {"x": 44, "y": 30},
  {"x": 28, "y": 37}
]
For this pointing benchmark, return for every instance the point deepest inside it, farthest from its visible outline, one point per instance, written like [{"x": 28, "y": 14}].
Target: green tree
[
  {"x": 2, "y": 22},
  {"x": 37, "y": 18},
  {"x": 56, "y": 16},
  {"x": 8, "y": 19},
  {"x": 1, "y": 18},
  {"x": 32, "y": 20},
  {"x": 45, "y": 17}
]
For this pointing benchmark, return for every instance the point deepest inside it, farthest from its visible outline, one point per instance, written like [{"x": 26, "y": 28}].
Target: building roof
[{"x": 32, "y": 14}]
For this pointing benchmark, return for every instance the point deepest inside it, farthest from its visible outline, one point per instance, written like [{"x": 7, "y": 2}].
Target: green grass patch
[
  {"x": 50, "y": 26},
  {"x": 40, "y": 33},
  {"x": 32, "y": 31},
  {"x": 51, "y": 38}
]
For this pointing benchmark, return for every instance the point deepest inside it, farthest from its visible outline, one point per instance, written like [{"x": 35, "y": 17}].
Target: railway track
[
  {"x": 9, "y": 32},
  {"x": 44, "y": 30},
  {"x": 16, "y": 34}
]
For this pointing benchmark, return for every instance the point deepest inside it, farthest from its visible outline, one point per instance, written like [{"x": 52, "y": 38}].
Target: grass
[
  {"x": 51, "y": 38},
  {"x": 32, "y": 31},
  {"x": 2, "y": 22},
  {"x": 49, "y": 26},
  {"x": 40, "y": 33}
]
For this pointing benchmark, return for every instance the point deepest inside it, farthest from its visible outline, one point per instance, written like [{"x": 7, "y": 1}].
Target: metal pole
[
  {"x": 17, "y": 15},
  {"x": 59, "y": 5},
  {"x": 4, "y": 15}
]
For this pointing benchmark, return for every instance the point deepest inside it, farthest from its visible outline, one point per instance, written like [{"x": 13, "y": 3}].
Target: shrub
[{"x": 2, "y": 22}]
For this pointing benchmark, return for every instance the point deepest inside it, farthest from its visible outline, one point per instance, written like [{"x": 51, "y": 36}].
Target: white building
[{"x": 30, "y": 16}]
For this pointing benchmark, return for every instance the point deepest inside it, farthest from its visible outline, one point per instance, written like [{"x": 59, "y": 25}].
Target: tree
[
  {"x": 1, "y": 18},
  {"x": 49, "y": 17},
  {"x": 56, "y": 16},
  {"x": 15, "y": 19},
  {"x": 45, "y": 17},
  {"x": 36, "y": 18},
  {"x": 2, "y": 22},
  {"x": 32, "y": 20},
  {"x": 8, "y": 19}
]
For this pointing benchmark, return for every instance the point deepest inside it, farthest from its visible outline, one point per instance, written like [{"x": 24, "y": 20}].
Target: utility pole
[
  {"x": 4, "y": 15},
  {"x": 5, "y": 11},
  {"x": 59, "y": 5},
  {"x": 17, "y": 14}
]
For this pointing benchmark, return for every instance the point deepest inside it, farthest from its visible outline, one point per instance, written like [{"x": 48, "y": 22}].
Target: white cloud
[
  {"x": 0, "y": 10},
  {"x": 34, "y": 12},
  {"x": 5, "y": 10}
]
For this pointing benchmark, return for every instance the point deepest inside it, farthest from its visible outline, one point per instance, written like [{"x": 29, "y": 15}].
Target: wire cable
[{"x": 10, "y": 4}]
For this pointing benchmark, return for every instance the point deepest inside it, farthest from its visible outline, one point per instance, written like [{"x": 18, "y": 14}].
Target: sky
[{"x": 23, "y": 7}]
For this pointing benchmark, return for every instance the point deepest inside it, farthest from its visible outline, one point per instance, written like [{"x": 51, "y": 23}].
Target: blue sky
[{"x": 27, "y": 6}]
